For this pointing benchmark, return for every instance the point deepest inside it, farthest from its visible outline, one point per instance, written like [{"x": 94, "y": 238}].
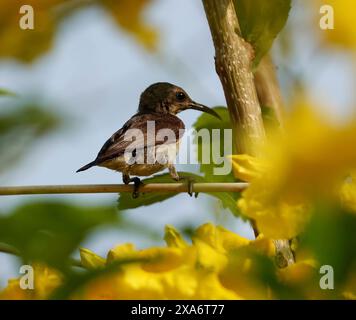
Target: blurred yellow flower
[
  {"x": 128, "y": 14},
  {"x": 45, "y": 281},
  {"x": 178, "y": 271},
  {"x": 349, "y": 292},
  {"x": 246, "y": 167},
  {"x": 348, "y": 193},
  {"x": 90, "y": 260},
  {"x": 307, "y": 162},
  {"x": 218, "y": 264},
  {"x": 182, "y": 271},
  {"x": 26, "y": 45},
  {"x": 344, "y": 32}
]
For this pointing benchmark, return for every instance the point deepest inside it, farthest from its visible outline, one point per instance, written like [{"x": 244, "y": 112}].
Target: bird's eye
[{"x": 180, "y": 96}]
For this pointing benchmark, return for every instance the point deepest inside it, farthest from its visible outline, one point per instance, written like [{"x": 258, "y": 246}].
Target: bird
[{"x": 159, "y": 104}]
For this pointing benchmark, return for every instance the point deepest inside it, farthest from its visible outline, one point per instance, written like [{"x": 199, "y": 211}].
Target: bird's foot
[
  {"x": 137, "y": 183},
  {"x": 190, "y": 183}
]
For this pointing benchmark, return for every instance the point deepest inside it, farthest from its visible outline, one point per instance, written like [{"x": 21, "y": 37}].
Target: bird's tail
[{"x": 87, "y": 166}]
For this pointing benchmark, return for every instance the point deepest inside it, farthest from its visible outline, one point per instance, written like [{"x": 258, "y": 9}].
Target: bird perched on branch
[{"x": 149, "y": 141}]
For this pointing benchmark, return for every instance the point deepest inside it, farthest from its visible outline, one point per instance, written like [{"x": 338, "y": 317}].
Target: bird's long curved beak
[{"x": 202, "y": 108}]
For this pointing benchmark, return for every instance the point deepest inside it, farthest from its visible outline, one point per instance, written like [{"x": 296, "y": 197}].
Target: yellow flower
[
  {"x": 344, "y": 32},
  {"x": 173, "y": 238},
  {"x": 348, "y": 193},
  {"x": 182, "y": 271},
  {"x": 349, "y": 291},
  {"x": 90, "y": 260},
  {"x": 307, "y": 162},
  {"x": 128, "y": 14},
  {"x": 218, "y": 264},
  {"x": 179, "y": 271},
  {"x": 27, "y": 45},
  {"x": 219, "y": 238},
  {"x": 247, "y": 168},
  {"x": 240, "y": 273}
]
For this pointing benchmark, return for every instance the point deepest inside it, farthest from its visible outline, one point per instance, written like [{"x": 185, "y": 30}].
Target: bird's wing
[{"x": 121, "y": 141}]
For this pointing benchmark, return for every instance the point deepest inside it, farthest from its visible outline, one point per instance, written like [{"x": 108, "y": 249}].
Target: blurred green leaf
[
  {"x": 269, "y": 117},
  {"x": 29, "y": 117},
  {"x": 50, "y": 231},
  {"x": 332, "y": 239},
  {"x": 260, "y": 22},
  {"x": 20, "y": 126},
  {"x": 266, "y": 272},
  {"x": 205, "y": 121},
  {"x": 145, "y": 199},
  {"x": 4, "y": 92}
]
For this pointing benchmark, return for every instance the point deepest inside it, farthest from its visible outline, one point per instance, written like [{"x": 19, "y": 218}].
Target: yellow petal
[
  {"x": 173, "y": 238},
  {"x": 152, "y": 259},
  {"x": 246, "y": 168},
  {"x": 128, "y": 14},
  {"x": 90, "y": 260},
  {"x": 348, "y": 193},
  {"x": 263, "y": 245},
  {"x": 219, "y": 237},
  {"x": 120, "y": 252}
]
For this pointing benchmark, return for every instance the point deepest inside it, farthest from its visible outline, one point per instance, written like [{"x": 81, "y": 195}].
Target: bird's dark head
[{"x": 164, "y": 97}]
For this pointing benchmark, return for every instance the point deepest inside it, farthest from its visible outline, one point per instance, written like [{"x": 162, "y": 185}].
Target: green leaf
[
  {"x": 332, "y": 240},
  {"x": 206, "y": 121},
  {"x": 50, "y": 231},
  {"x": 126, "y": 201},
  {"x": 4, "y": 92},
  {"x": 145, "y": 199},
  {"x": 20, "y": 127},
  {"x": 269, "y": 117},
  {"x": 28, "y": 117},
  {"x": 260, "y": 22}
]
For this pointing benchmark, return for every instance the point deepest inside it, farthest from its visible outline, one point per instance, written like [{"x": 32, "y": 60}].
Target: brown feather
[{"x": 116, "y": 145}]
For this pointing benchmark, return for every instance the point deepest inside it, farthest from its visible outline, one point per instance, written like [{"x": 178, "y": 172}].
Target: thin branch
[{"x": 116, "y": 188}]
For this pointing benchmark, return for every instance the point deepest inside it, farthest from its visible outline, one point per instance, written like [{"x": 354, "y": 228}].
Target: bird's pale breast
[{"x": 164, "y": 155}]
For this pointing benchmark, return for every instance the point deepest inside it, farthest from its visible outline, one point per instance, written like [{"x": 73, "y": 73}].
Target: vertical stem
[
  {"x": 267, "y": 87},
  {"x": 269, "y": 95},
  {"x": 233, "y": 56}
]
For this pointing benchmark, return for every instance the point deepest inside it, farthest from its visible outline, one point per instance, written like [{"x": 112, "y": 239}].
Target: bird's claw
[
  {"x": 190, "y": 184},
  {"x": 137, "y": 183}
]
